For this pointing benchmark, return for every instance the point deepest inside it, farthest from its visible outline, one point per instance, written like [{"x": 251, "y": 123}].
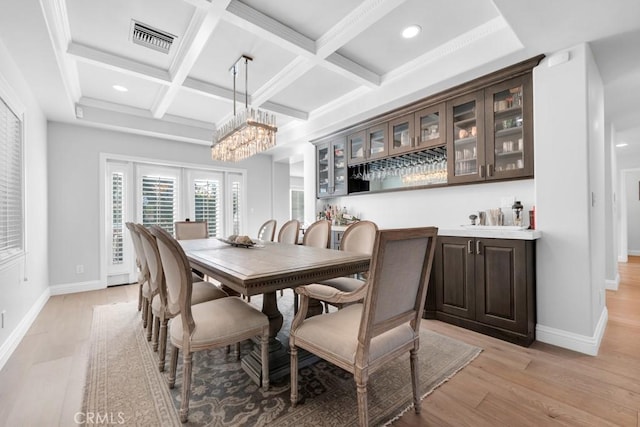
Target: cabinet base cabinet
[{"x": 486, "y": 285}]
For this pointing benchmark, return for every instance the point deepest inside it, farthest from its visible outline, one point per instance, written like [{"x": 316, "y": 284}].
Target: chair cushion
[
  {"x": 205, "y": 291},
  {"x": 337, "y": 334},
  {"x": 220, "y": 320},
  {"x": 344, "y": 284}
]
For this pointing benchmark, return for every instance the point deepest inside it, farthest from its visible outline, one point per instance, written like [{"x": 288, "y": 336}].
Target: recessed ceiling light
[
  {"x": 622, "y": 144},
  {"x": 411, "y": 31},
  {"x": 120, "y": 88}
]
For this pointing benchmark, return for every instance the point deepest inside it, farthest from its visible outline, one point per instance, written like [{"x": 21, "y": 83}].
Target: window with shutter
[
  {"x": 11, "y": 186},
  {"x": 159, "y": 201},
  {"x": 117, "y": 216},
  {"x": 297, "y": 205},
  {"x": 236, "y": 200},
  {"x": 207, "y": 204}
]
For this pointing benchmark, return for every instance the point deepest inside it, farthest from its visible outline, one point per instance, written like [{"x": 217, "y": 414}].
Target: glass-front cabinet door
[
  {"x": 509, "y": 150},
  {"x": 402, "y": 135},
  {"x": 331, "y": 168},
  {"x": 465, "y": 138},
  {"x": 323, "y": 171},
  {"x": 356, "y": 147},
  {"x": 430, "y": 128},
  {"x": 339, "y": 167},
  {"x": 377, "y": 146}
]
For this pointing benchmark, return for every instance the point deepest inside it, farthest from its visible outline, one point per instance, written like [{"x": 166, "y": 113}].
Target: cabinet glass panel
[
  {"x": 339, "y": 168},
  {"x": 376, "y": 142},
  {"x": 401, "y": 134},
  {"x": 429, "y": 127},
  {"x": 465, "y": 139},
  {"x": 356, "y": 147},
  {"x": 508, "y": 129},
  {"x": 323, "y": 170}
]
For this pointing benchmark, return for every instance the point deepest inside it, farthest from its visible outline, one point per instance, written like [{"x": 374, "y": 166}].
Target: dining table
[{"x": 263, "y": 269}]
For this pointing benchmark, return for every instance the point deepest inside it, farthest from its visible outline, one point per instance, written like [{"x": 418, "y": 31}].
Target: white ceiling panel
[
  {"x": 97, "y": 83},
  {"x": 106, "y": 25},
  {"x": 381, "y": 47},
  {"x": 226, "y": 45},
  {"x": 314, "y": 89}
]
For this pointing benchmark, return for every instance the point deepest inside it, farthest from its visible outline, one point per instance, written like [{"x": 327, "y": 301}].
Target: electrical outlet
[{"x": 79, "y": 269}]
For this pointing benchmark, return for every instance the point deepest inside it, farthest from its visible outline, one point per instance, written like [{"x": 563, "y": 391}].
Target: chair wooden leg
[
  {"x": 265, "y": 358},
  {"x": 173, "y": 366},
  {"x": 149, "y": 322},
  {"x": 145, "y": 308},
  {"x": 186, "y": 385},
  {"x": 413, "y": 358},
  {"x": 363, "y": 409},
  {"x": 294, "y": 375},
  {"x": 140, "y": 297},
  {"x": 238, "y": 351},
  {"x": 156, "y": 333},
  {"x": 162, "y": 349},
  {"x": 295, "y": 302}
]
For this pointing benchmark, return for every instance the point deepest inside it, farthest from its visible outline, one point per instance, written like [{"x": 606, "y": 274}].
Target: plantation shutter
[
  {"x": 207, "y": 200},
  {"x": 11, "y": 207},
  {"x": 236, "y": 198},
  {"x": 297, "y": 205},
  {"x": 159, "y": 202},
  {"x": 117, "y": 216}
]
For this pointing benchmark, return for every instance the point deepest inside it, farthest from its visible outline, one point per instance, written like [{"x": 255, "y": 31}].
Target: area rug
[{"x": 124, "y": 385}]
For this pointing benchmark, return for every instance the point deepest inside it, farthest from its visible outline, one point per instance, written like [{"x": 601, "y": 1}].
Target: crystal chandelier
[{"x": 249, "y": 132}]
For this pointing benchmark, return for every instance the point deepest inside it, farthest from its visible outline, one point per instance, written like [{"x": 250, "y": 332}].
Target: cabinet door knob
[
  {"x": 481, "y": 171},
  {"x": 478, "y": 247},
  {"x": 490, "y": 170},
  {"x": 470, "y": 246}
]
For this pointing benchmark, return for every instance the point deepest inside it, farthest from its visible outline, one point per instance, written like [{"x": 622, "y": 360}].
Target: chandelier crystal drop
[{"x": 247, "y": 133}]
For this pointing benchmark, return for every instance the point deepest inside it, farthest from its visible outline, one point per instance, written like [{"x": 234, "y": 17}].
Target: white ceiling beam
[
  {"x": 352, "y": 70},
  {"x": 362, "y": 17},
  {"x": 269, "y": 29},
  {"x": 202, "y": 25},
  {"x": 117, "y": 63},
  {"x": 289, "y": 74},
  {"x": 209, "y": 89},
  {"x": 56, "y": 18},
  {"x": 287, "y": 111}
]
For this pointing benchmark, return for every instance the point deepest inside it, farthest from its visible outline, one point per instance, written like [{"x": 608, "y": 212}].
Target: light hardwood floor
[{"x": 507, "y": 385}]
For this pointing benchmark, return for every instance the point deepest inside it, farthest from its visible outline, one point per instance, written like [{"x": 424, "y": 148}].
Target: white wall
[
  {"x": 567, "y": 146},
  {"x": 442, "y": 207},
  {"x": 282, "y": 200},
  {"x": 74, "y": 197},
  {"x": 632, "y": 182},
  {"x": 24, "y": 282}
]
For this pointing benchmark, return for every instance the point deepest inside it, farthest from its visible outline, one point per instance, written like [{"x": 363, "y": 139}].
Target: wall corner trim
[
  {"x": 569, "y": 340},
  {"x": 9, "y": 346},
  {"x": 71, "y": 288}
]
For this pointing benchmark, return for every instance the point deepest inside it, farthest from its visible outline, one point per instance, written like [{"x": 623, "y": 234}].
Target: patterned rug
[{"x": 124, "y": 385}]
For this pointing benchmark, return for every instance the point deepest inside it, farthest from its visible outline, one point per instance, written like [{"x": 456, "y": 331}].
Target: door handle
[
  {"x": 481, "y": 171},
  {"x": 469, "y": 246},
  {"x": 477, "y": 247},
  {"x": 490, "y": 170}
]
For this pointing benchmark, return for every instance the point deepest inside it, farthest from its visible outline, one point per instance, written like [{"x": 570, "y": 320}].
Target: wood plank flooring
[{"x": 507, "y": 385}]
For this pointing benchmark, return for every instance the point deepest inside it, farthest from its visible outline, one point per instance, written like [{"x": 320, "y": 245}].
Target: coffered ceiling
[{"x": 319, "y": 65}]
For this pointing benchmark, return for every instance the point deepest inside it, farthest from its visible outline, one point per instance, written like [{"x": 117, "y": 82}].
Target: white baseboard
[
  {"x": 633, "y": 253},
  {"x": 569, "y": 340},
  {"x": 71, "y": 288},
  {"x": 613, "y": 285},
  {"x": 9, "y": 346},
  {"x": 623, "y": 258}
]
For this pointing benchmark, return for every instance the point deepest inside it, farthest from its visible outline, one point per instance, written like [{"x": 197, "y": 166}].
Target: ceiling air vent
[{"x": 150, "y": 37}]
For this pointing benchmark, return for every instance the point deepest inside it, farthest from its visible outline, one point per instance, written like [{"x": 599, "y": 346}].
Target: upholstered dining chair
[
  {"x": 358, "y": 237},
  {"x": 211, "y": 324},
  {"x": 144, "y": 292},
  {"x": 160, "y": 312},
  {"x": 318, "y": 234},
  {"x": 267, "y": 230},
  {"x": 289, "y": 232},
  {"x": 187, "y": 230},
  {"x": 361, "y": 338}
]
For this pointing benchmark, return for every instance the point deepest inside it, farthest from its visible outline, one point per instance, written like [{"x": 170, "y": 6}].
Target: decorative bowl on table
[{"x": 241, "y": 241}]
